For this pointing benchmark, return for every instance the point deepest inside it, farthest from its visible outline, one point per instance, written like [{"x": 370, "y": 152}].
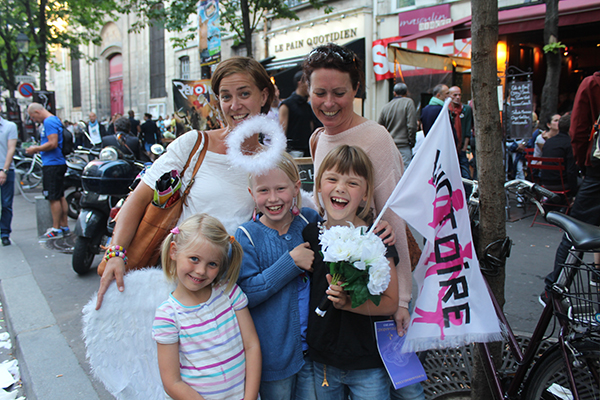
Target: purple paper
[{"x": 403, "y": 368}]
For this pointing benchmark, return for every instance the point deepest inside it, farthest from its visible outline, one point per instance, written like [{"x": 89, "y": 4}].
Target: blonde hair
[
  {"x": 346, "y": 159},
  {"x": 204, "y": 227},
  {"x": 287, "y": 164}
]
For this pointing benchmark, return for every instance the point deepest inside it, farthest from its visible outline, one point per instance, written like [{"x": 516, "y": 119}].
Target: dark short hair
[
  {"x": 131, "y": 113},
  {"x": 298, "y": 77},
  {"x": 564, "y": 123},
  {"x": 122, "y": 125},
  {"x": 148, "y": 115},
  {"x": 400, "y": 89},
  {"x": 549, "y": 119},
  {"x": 245, "y": 65},
  {"x": 332, "y": 56}
]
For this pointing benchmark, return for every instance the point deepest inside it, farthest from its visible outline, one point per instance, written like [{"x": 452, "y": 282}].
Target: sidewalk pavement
[{"x": 49, "y": 369}]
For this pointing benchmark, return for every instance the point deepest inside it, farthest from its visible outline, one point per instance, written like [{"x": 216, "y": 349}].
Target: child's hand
[
  {"x": 402, "y": 318},
  {"x": 387, "y": 233},
  {"x": 336, "y": 294},
  {"x": 303, "y": 256}
]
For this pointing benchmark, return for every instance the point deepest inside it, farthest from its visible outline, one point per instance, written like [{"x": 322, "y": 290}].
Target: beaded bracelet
[{"x": 116, "y": 251}]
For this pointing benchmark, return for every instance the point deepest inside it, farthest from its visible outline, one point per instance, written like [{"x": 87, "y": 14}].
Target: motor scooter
[
  {"x": 106, "y": 182},
  {"x": 72, "y": 179}
]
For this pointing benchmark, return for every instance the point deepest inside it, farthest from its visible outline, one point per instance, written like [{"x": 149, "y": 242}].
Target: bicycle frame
[{"x": 525, "y": 360}]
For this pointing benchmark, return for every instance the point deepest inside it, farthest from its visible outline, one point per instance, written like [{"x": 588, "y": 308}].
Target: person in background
[
  {"x": 134, "y": 124},
  {"x": 161, "y": 125},
  {"x": 586, "y": 207},
  {"x": 127, "y": 143},
  {"x": 559, "y": 146},
  {"x": 430, "y": 112},
  {"x": 297, "y": 118},
  {"x": 399, "y": 117},
  {"x": 150, "y": 133},
  {"x": 462, "y": 120},
  {"x": 95, "y": 130},
  {"x": 8, "y": 143},
  {"x": 53, "y": 167}
]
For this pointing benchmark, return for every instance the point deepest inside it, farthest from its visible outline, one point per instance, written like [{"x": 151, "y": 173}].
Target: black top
[
  {"x": 559, "y": 146},
  {"x": 342, "y": 339},
  {"x": 133, "y": 124},
  {"x": 150, "y": 132},
  {"x": 300, "y": 123},
  {"x": 132, "y": 142}
]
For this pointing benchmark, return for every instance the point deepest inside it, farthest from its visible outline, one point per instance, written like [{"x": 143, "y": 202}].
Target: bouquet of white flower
[{"x": 356, "y": 258}]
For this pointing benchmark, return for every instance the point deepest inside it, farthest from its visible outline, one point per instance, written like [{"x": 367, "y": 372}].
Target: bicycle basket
[{"x": 582, "y": 296}]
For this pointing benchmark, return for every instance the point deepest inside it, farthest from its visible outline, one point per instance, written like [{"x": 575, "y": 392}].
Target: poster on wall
[
  {"x": 210, "y": 34},
  {"x": 195, "y": 104},
  {"x": 46, "y": 99},
  {"x": 520, "y": 109}
]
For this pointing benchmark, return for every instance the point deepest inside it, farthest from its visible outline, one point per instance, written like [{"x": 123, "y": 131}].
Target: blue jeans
[
  {"x": 410, "y": 392},
  {"x": 463, "y": 161},
  {"x": 300, "y": 386},
  {"x": 7, "y": 192},
  {"x": 360, "y": 384}
]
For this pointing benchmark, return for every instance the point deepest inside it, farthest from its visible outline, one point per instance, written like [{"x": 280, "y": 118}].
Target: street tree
[
  {"x": 484, "y": 33},
  {"x": 48, "y": 24},
  {"x": 241, "y": 17},
  {"x": 552, "y": 50}
]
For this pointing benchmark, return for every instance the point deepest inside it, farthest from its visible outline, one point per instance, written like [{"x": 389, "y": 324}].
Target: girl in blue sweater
[{"x": 274, "y": 276}]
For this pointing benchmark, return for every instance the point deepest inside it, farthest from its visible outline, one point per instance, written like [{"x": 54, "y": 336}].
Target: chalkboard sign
[
  {"x": 307, "y": 174},
  {"x": 521, "y": 107}
]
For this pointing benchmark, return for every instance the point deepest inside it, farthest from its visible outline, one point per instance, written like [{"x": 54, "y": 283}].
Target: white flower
[
  {"x": 379, "y": 278},
  {"x": 361, "y": 265},
  {"x": 337, "y": 251}
]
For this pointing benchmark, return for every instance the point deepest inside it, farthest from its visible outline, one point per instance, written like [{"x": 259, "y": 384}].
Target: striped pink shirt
[{"x": 211, "y": 351}]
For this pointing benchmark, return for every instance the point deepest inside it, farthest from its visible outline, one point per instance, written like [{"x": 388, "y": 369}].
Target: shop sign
[
  {"x": 299, "y": 42},
  {"x": 423, "y": 19}
]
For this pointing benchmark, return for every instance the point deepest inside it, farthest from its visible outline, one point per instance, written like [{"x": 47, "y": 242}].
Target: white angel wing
[{"x": 118, "y": 337}]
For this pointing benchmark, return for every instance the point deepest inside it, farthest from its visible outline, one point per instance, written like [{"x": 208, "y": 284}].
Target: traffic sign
[
  {"x": 25, "y": 89},
  {"x": 25, "y": 78}
]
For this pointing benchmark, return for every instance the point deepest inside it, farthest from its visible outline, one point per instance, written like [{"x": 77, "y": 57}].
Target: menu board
[{"x": 520, "y": 110}]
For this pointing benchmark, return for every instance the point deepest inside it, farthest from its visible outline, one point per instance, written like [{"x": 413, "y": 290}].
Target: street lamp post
[{"x": 23, "y": 47}]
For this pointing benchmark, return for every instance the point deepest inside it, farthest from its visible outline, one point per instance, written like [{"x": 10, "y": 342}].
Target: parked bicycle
[
  {"x": 29, "y": 174},
  {"x": 569, "y": 369}
]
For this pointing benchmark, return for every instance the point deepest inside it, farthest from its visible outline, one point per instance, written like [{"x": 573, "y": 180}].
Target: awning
[
  {"x": 421, "y": 59},
  {"x": 431, "y": 32}
]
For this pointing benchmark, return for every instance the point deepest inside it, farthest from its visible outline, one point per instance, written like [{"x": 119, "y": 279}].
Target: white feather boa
[
  {"x": 264, "y": 160},
  {"x": 118, "y": 337}
]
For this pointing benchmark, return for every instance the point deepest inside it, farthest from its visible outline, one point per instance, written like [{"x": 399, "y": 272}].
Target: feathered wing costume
[{"x": 118, "y": 337}]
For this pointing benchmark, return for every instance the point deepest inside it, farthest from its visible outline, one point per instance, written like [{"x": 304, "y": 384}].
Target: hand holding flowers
[{"x": 356, "y": 258}]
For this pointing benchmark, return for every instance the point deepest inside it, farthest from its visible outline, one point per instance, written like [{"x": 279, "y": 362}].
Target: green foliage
[
  {"x": 354, "y": 282},
  {"x": 181, "y": 16},
  {"x": 554, "y": 47}
]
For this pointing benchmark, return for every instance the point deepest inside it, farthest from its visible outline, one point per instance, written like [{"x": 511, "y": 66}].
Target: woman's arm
[
  {"x": 253, "y": 354},
  {"x": 128, "y": 220},
  {"x": 387, "y": 305},
  {"x": 168, "y": 364}
]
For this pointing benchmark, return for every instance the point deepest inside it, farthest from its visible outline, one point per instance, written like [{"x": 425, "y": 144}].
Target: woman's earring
[
  {"x": 254, "y": 214},
  {"x": 295, "y": 210}
]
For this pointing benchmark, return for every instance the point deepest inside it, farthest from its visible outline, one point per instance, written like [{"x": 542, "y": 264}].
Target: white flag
[{"x": 453, "y": 306}]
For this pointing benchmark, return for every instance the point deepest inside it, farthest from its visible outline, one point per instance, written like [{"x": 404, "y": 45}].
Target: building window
[
  {"x": 75, "y": 79},
  {"x": 184, "y": 67},
  {"x": 404, "y": 3},
  {"x": 157, "y": 61}
]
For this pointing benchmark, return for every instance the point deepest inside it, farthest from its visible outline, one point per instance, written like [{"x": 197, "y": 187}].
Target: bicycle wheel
[
  {"x": 549, "y": 380},
  {"x": 29, "y": 176}
]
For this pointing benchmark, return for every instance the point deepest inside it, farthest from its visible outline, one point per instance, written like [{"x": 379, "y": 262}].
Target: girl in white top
[{"x": 244, "y": 90}]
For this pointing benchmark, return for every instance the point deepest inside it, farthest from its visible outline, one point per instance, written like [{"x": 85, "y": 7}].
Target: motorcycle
[
  {"x": 106, "y": 183},
  {"x": 75, "y": 166}
]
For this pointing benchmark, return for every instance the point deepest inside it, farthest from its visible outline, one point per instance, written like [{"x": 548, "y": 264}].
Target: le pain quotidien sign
[{"x": 305, "y": 45}]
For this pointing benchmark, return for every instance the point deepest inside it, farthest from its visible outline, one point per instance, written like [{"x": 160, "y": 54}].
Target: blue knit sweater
[{"x": 269, "y": 277}]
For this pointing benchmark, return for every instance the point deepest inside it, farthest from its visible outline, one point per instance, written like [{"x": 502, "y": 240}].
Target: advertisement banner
[
  {"x": 210, "y": 34},
  {"x": 46, "y": 99},
  {"x": 13, "y": 113},
  {"x": 196, "y": 106}
]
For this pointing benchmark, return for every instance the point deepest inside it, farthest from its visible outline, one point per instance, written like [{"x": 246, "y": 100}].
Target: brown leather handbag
[{"x": 157, "y": 222}]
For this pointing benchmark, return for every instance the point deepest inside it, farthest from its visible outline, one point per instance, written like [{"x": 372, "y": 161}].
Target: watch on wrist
[{"x": 2, "y": 170}]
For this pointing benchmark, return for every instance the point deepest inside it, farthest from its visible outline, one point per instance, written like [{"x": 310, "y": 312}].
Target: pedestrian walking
[{"x": 8, "y": 143}]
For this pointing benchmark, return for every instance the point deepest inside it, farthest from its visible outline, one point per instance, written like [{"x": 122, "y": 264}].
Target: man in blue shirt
[
  {"x": 8, "y": 144},
  {"x": 54, "y": 167}
]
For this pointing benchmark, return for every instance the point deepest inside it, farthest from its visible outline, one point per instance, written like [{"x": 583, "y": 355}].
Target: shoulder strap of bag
[
  {"x": 314, "y": 139},
  {"x": 247, "y": 234},
  {"x": 198, "y": 163}
]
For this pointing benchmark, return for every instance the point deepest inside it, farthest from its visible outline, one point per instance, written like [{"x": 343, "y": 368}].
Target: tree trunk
[
  {"x": 550, "y": 90},
  {"x": 247, "y": 30},
  {"x": 41, "y": 43},
  {"x": 484, "y": 33}
]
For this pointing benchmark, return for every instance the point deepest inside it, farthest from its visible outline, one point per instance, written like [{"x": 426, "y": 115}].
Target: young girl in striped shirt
[{"x": 207, "y": 344}]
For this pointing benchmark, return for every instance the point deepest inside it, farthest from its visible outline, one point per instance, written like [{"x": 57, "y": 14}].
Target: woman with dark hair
[
  {"x": 244, "y": 90},
  {"x": 335, "y": 74}
]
